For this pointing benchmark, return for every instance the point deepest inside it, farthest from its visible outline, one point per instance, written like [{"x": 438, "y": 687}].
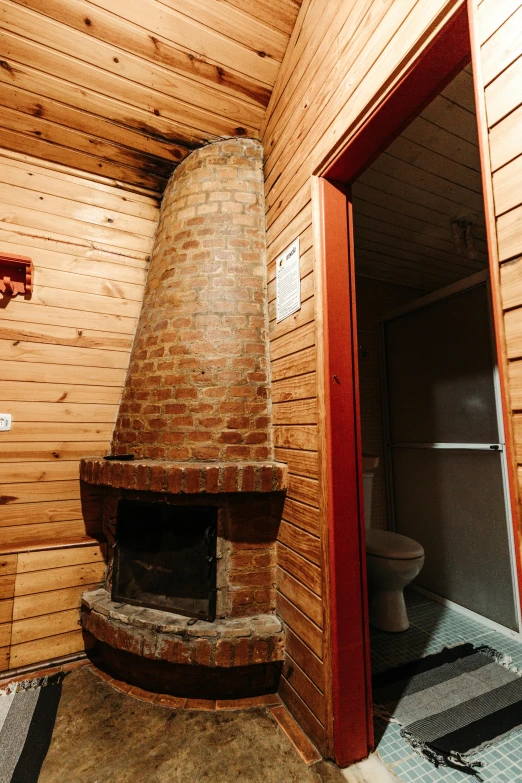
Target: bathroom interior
[{"x": 437, "y": 514}]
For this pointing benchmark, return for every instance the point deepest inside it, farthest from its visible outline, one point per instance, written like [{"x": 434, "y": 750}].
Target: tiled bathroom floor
[{"x": 433, "y": 627}]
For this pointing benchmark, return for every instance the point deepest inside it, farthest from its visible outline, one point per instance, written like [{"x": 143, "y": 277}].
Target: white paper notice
[{"x": 288, "y": 282}]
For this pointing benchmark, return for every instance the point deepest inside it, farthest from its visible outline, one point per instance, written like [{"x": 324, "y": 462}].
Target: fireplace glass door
[{"x": 165, "y": 557}]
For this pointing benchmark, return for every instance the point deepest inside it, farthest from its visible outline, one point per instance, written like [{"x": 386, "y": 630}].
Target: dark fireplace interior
[{"x": 165, "y": 557}]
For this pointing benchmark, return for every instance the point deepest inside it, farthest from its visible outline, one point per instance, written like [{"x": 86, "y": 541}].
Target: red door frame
[{"x": 430, "y": 72}]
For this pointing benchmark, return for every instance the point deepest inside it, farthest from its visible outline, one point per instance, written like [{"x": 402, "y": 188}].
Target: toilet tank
[{"x": 370, "y": 463}]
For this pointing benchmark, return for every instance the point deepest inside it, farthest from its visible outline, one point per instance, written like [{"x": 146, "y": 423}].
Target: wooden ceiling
[
  {"x": 127, "y": 88},
  {"x": 404, "y": 204}
]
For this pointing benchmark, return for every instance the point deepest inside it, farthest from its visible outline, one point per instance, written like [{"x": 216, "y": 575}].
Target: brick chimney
[{"x": 197, "y": 382}]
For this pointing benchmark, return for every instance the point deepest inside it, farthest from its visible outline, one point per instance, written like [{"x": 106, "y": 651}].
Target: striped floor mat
[
  {"x": 27, "y": 715},
  {"x": 453, "y": 703}
]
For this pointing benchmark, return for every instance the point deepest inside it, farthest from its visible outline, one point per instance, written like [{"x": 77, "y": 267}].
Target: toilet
[{"x": 392, "y": 562}]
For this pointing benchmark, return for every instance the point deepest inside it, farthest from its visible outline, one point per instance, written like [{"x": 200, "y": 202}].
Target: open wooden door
[{"x": 342, "y": 475}]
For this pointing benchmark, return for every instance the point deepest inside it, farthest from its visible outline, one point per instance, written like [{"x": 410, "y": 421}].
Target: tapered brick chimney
[{"x": 197, "y": 382}]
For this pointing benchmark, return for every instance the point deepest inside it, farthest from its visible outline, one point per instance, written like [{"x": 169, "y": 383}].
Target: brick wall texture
[{"x": 197, "y": 386}]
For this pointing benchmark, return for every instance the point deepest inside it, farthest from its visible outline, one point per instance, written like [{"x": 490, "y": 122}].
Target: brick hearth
[{"x": 169, "y": 637}]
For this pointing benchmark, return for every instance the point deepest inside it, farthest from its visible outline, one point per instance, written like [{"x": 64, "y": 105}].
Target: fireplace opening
[{"x": 165, "y": 558}]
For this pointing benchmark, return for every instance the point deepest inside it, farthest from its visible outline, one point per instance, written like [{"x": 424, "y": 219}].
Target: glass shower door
[{"x": 446, "y": 451}]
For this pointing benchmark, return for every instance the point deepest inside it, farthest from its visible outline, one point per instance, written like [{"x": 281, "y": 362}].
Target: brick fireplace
[{"x": 188, "y": 604}]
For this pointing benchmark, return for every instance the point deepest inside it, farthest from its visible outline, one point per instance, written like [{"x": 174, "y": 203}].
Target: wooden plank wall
[
  {"x": 341, "y": 58},
  {"x": 127, "y": 89},
  {"x": 64, "y": 356},
  {"x": 39, "y": 608},
  {"x": 497, "y": 36}
]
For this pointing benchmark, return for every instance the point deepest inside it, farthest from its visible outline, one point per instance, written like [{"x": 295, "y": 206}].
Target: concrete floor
[{"x": 104, "y": 736}]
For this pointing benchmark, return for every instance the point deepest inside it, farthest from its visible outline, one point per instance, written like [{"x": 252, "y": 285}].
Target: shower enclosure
[{"x": 446, "y": 466}]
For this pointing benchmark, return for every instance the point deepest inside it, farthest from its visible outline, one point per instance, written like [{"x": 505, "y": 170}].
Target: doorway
[
  {"x": 337, "y": 245},
  {"x": 420, "y": 246}
]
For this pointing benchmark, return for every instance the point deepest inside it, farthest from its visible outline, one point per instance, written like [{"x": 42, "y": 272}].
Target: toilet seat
[{"x": 393, "y": 546}]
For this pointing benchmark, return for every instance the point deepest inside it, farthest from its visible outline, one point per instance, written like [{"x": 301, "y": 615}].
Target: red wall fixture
[{"x": 16, "y": 275}]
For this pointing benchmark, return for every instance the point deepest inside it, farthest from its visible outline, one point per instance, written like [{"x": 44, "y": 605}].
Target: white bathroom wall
[{"x": 375, "y": 298}]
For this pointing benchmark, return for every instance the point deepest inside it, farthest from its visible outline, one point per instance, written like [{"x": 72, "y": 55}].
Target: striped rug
[
  {"x": 27, "y": 715},
  {"x": 453, "y": 703}
]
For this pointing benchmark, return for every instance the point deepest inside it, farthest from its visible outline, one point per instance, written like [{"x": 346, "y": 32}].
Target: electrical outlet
[{"x": 5, "y": 422}]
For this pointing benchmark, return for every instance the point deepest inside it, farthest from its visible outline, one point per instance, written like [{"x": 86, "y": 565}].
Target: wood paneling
[
  {"x": 300, "y": 568},
  {"x": 49, "y": 647},
  {"x": 28, "y": 606},
  {"x": 300, "y": 463},
  {"x": 305, "y": 688},
  {"x": 301, "y": 542},
  {"x": 64, "y": 356},
  {"x": 301, "y": 625},
  {"x": 303, "y": 516},
  {"x": 342, "y": 58},
  {"x": 498, "y": 50},
  {"x": 127, "y": 90},
  {"x": 40, "y": 604},
  {"x": 65, "y": 351},
  {"x": 7, "y": 591}
]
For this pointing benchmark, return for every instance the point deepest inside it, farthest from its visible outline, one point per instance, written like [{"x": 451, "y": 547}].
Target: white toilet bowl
[{"x": 392, "y": 562}]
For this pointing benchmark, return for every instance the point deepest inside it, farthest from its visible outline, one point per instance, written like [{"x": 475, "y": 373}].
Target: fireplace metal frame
[{"x": 210, "y": 539}]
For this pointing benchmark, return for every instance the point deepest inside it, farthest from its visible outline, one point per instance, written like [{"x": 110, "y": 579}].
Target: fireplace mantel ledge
[{"x": 185, "y": 477}]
